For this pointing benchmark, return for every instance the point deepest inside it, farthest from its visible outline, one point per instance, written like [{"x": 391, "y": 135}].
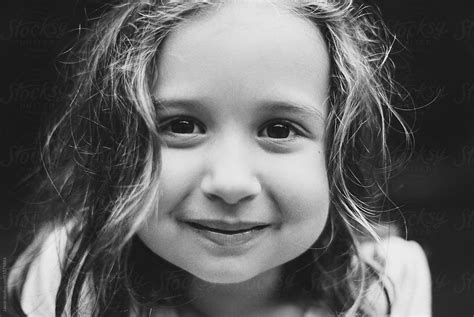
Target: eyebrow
[
  {"x": 291, "y": 107},
  {"x": 266, "y": 106}
]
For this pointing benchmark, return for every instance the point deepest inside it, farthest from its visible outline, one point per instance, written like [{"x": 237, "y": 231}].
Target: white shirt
[{"x": 405, "y": 265}]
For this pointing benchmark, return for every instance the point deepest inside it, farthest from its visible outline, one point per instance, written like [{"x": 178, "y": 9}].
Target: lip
[
  {"x": 226, "y": 225},
  {"x": 228, "y": 234}
]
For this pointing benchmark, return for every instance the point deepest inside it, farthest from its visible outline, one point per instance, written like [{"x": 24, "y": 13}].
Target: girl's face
[{"x": 244, "y": 186}]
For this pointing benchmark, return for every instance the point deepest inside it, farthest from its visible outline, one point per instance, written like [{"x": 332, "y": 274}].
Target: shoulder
[
  {"x": 405, "y": 265},
  {"x": 44, "y": 259}
]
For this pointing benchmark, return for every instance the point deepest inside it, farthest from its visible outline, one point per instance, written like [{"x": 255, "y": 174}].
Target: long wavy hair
[{"x": 101, "y": 162}]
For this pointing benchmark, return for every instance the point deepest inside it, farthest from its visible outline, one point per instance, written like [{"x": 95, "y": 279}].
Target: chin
[{"x": 224, "y": 275}]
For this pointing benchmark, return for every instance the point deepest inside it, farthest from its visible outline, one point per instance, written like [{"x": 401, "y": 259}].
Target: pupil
[
  {"x": 279, "y": 131},
  {"x": 182, "y": 126}
]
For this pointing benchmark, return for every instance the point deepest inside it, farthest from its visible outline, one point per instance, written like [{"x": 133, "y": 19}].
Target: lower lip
[{"x": 229, "y": 240}]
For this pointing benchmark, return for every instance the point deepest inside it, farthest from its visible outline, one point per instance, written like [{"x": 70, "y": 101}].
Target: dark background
[{"x": 435, "y": 64}]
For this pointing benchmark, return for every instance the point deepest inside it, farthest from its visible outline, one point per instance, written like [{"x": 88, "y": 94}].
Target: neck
[{"x": 248, "y": 298}]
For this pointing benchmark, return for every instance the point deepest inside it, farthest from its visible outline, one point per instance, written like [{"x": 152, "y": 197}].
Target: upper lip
[{"x": 225, "y": 225}]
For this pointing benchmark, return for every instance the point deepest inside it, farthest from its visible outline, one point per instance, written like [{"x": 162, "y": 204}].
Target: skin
[{"x": 225, "y": 73}]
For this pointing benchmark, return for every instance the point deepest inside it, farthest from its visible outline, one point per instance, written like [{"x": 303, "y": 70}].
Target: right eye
[{"x": 181, "y": 126}]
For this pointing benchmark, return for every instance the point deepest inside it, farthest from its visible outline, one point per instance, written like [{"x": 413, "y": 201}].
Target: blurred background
[{"x": 435, "y": 63}]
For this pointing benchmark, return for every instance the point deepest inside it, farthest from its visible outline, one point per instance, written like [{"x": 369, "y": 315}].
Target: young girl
[{"x": 222, "y": 158}]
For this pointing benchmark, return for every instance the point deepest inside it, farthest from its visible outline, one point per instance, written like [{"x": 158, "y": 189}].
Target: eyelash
[{"x": 296, "y": 131}]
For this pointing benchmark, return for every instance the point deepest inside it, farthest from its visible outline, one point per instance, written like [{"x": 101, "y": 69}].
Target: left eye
[
  {"x": 279, "y": 130},
  {"x": 182, "y": 126}
]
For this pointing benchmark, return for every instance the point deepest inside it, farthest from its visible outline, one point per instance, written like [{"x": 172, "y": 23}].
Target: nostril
[
  {"x": 211, "y": 197},
  {"x": 230, "y": 198},
  {"x": 230, "y": 190}
]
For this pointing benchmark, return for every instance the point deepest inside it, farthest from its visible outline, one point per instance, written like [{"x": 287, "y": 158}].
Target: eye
[
  {"x": 280, "y": 129},
  {"x": 181, "y": 126}
]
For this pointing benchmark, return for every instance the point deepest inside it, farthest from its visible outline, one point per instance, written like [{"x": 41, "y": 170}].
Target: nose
[{"x": 230, "y": 175}]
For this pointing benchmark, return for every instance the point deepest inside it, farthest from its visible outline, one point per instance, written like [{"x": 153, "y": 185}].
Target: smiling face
[{"x": 244, "y": 188}]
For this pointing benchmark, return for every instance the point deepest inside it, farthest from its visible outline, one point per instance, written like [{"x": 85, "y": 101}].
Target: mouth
[
  {"x": 226, "y": 227},
  {"x": 226, "y": 234}
]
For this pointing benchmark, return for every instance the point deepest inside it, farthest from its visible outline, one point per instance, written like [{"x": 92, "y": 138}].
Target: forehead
[{"x": 247, "y": 45}]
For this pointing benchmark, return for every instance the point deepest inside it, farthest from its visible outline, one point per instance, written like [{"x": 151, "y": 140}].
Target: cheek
[
  {"x": 301, "y": 191},
  {"x": 179, "y": 176}
]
